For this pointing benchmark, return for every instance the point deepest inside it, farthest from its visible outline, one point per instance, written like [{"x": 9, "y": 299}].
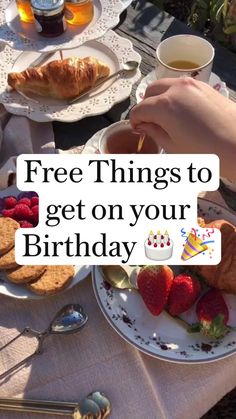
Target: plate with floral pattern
[{"x": 163, "y": 337}]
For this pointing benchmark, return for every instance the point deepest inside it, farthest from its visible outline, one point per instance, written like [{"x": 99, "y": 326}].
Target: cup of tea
[
  {"x": 119, "y": 138},
  {"x": 185, "y": 55}
]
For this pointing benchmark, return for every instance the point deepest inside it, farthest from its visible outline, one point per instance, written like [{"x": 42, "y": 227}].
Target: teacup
[
  {"x": 119, "y": 138},
  {"x": 185, "y": 55}
]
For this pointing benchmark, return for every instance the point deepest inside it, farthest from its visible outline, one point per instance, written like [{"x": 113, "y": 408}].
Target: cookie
[
  {"x": 24, "y": 274},
  {"x": 8, "y": 227},
  {"x": 54, "y": 279},
  {"x": 7, "y": 261}
]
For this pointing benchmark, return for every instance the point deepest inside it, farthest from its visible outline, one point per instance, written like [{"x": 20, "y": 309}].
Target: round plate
[
  {"x": 23, "y": 36},
  {"x": 163, "y": 337},
  {"x": 20, "y": 291},
  {"x": 214, "y": 81},
  {"x": 112, "y": 49}
]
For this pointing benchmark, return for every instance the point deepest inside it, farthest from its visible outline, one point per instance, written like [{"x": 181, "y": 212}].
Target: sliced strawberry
[
  {"x": 213, "y": 314},
  {"x": 184, "y": 292},
  {"x": 154, "y": 284}
]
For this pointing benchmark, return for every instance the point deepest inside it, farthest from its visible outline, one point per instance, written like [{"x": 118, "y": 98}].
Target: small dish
[{"x": 215, "y": 82}]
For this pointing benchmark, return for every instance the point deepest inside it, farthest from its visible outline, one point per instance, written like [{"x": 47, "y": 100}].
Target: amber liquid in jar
[
  {"x": 79, "y": 13},
  {"x": 25, "y": 11}
]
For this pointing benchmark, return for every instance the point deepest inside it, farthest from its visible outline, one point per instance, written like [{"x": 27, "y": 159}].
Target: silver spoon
[
  {"x": 120, "y": 277},
  {"x": 70, "y": 319},
  {"x": 95, "y": 406},
  {"x": 126, "y": 67}
]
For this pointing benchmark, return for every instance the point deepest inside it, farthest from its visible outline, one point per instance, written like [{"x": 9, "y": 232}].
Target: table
[
  {"x": 97, "y": 358},
  {"x": 145, "y": 26}
]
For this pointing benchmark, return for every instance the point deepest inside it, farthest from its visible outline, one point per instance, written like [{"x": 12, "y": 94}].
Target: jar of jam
[
  {"x": 79, "y": 12},
  {"x": 49, "y": 17},
  {"x": 25, "y": 11}
]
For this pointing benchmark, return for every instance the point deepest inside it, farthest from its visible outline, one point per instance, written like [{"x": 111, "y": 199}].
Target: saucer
[{"x": 214, "y": 81}]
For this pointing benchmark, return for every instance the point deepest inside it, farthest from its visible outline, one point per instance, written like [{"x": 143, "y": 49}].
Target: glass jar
[
  {"x": 49, "y": 17},
  {"x": 25, "y": 11},
  {"x": 79, "y": 12}
]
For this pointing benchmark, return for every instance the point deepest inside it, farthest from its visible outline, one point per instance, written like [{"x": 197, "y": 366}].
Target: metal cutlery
[
  {"x": 127, "y": 67},
  {"x": 70, "y": 319},
  {"x": 95, "y": 406}
]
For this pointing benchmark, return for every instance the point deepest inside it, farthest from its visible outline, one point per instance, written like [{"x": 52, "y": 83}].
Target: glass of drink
[
  {"x": 25, "y": 11},
  {"x": 119, "y": 138}
]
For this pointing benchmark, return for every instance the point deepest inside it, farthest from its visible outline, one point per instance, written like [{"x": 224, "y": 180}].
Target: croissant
[
  {"x": 61, "y": 79},
  {"x": 223, "y": 276}
]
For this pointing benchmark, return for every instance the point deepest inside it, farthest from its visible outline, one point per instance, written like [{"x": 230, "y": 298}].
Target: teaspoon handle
[
  {"x": 37, "y": 409},
  {"x": 97, "y": 85}
]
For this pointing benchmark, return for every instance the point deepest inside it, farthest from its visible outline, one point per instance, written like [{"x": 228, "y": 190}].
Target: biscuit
[
  {"x": 8, "y": 227},
  {"x": 24, "y": 274},
  {"x": 7, "y": 261},
  {"x": 54, "y": 279}
]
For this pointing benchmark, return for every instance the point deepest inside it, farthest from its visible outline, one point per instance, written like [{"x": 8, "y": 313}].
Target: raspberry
[
  {"x": 22, "y": 212},
  {"x": 25, "y": 201},
  {"x": 35, "y": 215},
  {"x": 1, "y": 204},
  {"x": 25, "y": 224},
  {"x": 10, "y": 202},
  {"x": 155, "y": 245},
  {"x": 8, "y": 212},
  {"x": 149, "y": 243},
  {"x": 26, "y": 195},
  {"x": 34, "y": 201},
  {"x": 162, "y": 244}
]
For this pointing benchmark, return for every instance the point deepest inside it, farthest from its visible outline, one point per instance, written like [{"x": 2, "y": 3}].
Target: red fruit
[
  {"x": 8, "y": 212},
  {"x": 25, "y": 224},
  {"x": 34, "y": 201},
  {"x": 155, "y": 245},
  {"x": 22, "y": 212},
  {"x": 10, "y": 202},
  {"x": 25, "y": 201},
  {"x": 149, "y": 243},
  {"x": 35, "y": 214},
  {"x": 184, "y": 292},
  {"x": 154, "y": 284},
  {"x": 213, "y": 314},
  {"x": 162, "y": 244}
]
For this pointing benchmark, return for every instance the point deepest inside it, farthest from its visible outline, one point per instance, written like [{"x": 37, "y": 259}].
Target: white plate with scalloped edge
[
  {"x": 163, "y": 337},
  {"x": 112, "y": 49}
]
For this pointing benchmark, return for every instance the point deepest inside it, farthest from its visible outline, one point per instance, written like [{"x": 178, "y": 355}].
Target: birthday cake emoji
[
  {"x": 158, "y": 246},
  {"x": 193, "y": 246}
]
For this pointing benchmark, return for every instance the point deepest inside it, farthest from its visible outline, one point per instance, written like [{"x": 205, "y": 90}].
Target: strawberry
[
  {"x": 154, "y": 284},
  {"x": 213, "y": 314},
  {"x": 22, "y": 212},
  {"x": 184, "y": 292},
  {"x": 25, "y": 224},
  {"x": 10, "y": 202}
]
